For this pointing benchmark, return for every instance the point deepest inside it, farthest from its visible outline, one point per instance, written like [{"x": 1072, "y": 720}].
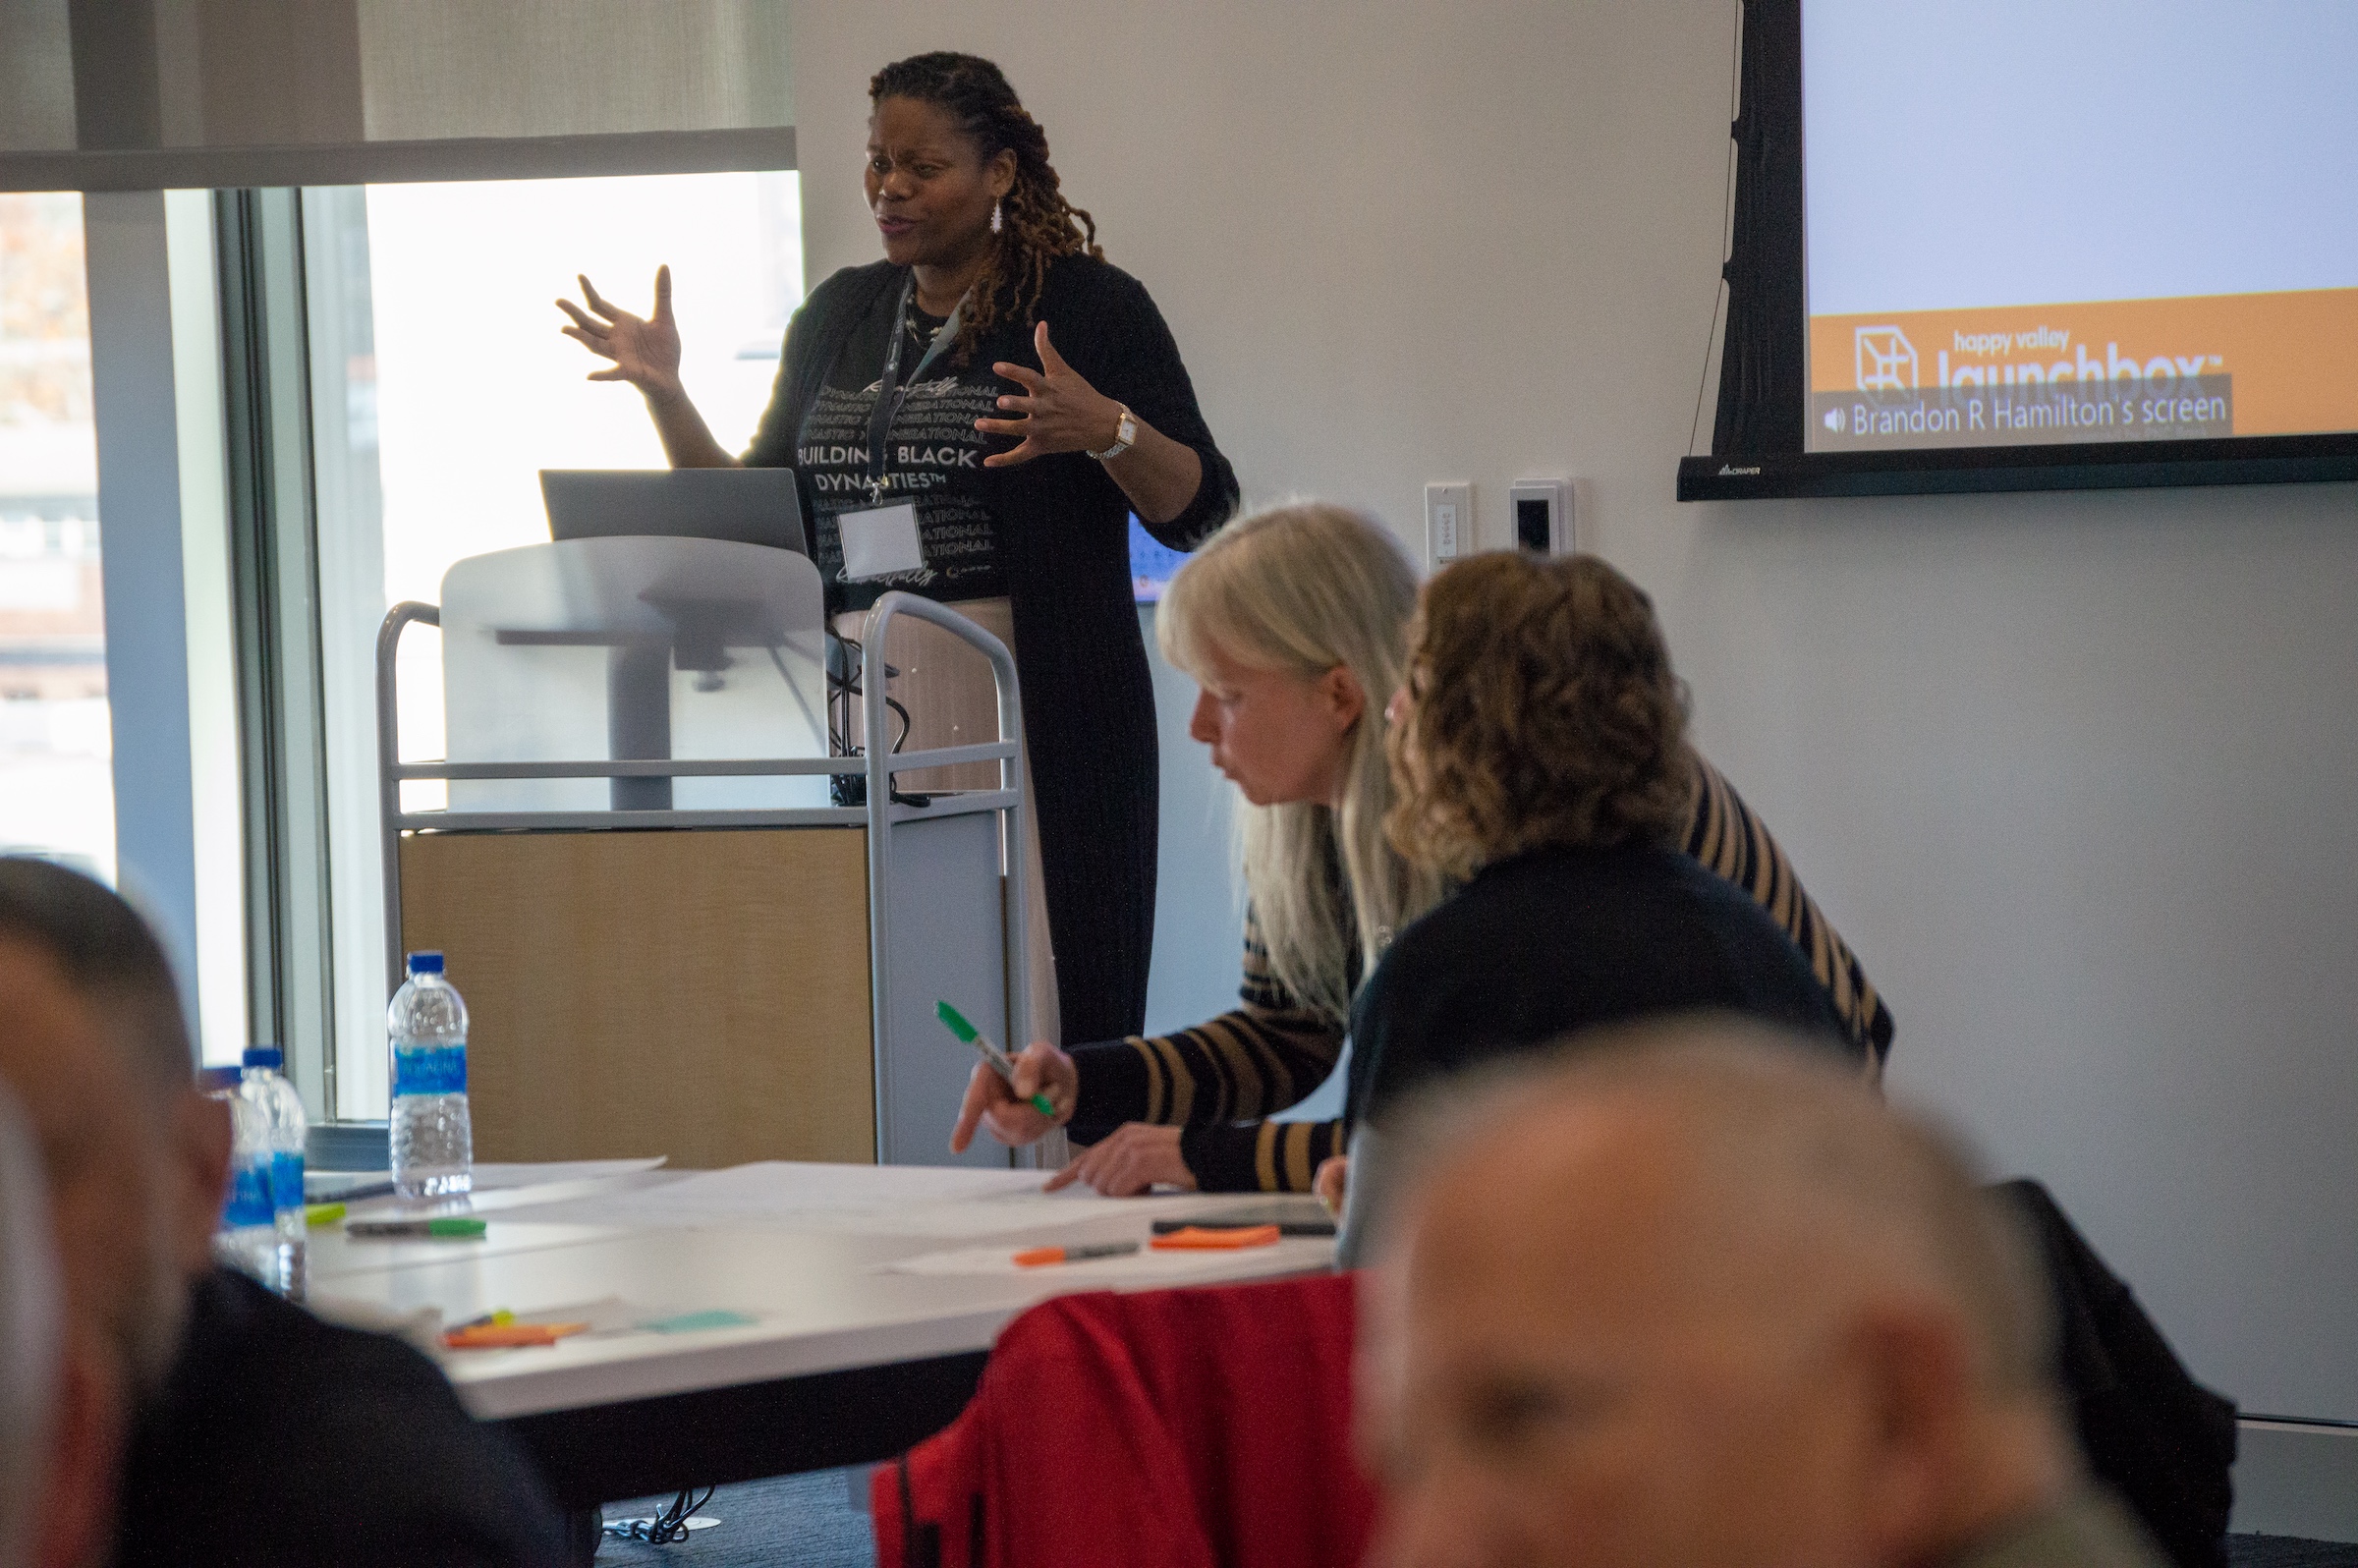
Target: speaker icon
[{"x": 1833, "y": 421}]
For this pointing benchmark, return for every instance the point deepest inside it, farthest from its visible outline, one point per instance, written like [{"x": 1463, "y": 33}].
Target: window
[
  {"x": 441, "y": 388},
  {"x": 56, "y": 778}
]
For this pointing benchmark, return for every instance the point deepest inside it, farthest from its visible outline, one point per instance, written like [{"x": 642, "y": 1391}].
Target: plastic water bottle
[
  {"x": 264, "y": 1086},
  {"x": 248, "y": 1240},
  {"x": 432, "y": 1141}
]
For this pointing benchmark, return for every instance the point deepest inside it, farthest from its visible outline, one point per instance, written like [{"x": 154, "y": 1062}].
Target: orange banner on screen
[{"x": 2290, "y": 358}]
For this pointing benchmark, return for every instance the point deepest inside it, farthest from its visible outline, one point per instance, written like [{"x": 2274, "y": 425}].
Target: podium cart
[{"x": 671, "y": 940}]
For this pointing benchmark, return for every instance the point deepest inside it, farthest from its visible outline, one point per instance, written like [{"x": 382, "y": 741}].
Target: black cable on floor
[{"x": 669, "y": 1525}]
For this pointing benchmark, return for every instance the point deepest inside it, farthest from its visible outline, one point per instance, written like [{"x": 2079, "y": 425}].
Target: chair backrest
[
  {"x": 2160, "y": 1440},
  {"x": 1174, "y": 1428}
]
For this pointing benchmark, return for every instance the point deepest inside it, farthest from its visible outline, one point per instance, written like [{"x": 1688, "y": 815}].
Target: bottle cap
[
  {"x": 425, "y": 963},
  {"x": 266, "y": 1056}
]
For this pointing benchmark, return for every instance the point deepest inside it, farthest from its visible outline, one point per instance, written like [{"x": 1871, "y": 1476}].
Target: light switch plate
[
  {"x": 1543, "y": 513},
  {"x": 1448, "y": 523}
]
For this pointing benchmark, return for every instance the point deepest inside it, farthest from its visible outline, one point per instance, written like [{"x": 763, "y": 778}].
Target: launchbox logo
[{"x": 1883, "y": 360}]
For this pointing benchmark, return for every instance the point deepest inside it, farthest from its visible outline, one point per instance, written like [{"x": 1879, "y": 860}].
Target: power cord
[
  {"x": 842, "y": 686},
  {"x": 668, "y": 1527}
]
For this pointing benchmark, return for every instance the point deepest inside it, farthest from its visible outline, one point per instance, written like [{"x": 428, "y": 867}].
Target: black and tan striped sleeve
[
  {"x": 1260, "y": 1157},
  {"x": 1268, "y": 1054},
  {"x": 1729, "y": 840}
]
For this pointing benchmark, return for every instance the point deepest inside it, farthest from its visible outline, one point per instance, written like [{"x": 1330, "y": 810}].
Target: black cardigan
[
  {"x": 1088, "y": 701},
  {"x": 1560, "y": 939},
  {"x": 281, "y": 1441}
]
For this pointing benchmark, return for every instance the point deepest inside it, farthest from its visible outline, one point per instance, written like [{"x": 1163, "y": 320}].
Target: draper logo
[
  {"x": 1725, "y": 470},
  {"x": 1884, "y": 359}
]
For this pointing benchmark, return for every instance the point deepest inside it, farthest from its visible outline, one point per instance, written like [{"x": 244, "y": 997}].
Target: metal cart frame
[{"x": 881, "y": 815}]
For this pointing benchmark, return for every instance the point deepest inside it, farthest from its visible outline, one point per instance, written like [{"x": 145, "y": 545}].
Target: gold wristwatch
[{"x": 1125, "y": 432}]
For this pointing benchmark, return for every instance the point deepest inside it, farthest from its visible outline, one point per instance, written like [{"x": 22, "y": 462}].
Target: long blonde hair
[{"x": 1304, "y": 588}]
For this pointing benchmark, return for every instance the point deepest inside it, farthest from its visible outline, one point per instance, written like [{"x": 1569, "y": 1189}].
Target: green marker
[
  {"x": 449, "y": 1229},
  {"x": 955, "y": 1021}
]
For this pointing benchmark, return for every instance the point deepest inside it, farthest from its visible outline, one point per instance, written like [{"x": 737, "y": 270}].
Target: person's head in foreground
[
  {"x": 60, "y": 1426},
  {"x": 1694, "y": 1298},
  {"x": 1538, "y": 710},
  {"x": 92, "y": 1042}
]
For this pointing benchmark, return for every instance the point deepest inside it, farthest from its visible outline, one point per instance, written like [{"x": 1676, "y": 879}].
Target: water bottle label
[
  {"x": 249, "y": 1197},
  {"x": 429, "y": 1069},
  {"x": 286, "y": 1181}
]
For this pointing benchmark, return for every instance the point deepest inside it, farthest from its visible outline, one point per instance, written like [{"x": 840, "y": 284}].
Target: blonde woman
[{"x": 1289, "y": 620}]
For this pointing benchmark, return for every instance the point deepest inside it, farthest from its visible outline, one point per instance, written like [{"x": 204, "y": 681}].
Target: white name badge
[{"x": 881, "y": 540}]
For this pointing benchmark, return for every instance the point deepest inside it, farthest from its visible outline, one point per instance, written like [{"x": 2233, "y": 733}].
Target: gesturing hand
[
  {"x": 1135, "y": 1157},
  {"x": 645, "y": 349},
  {"x": 1062, "y": 411}
]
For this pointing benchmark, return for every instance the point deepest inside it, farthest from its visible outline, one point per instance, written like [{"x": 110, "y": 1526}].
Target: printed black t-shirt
[{"x": 934, "y": 456}]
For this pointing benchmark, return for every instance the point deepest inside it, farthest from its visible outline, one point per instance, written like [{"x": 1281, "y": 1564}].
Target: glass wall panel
[
  {"x": 441, "y": 388},
  {"x": 56, "y": 778}
]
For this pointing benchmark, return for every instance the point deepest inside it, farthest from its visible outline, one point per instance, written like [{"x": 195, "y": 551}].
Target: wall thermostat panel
[{"x": 1543, "y": 513}]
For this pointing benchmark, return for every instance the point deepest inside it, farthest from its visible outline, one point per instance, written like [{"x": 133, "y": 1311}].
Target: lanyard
[{"x": 890, "y": 393}]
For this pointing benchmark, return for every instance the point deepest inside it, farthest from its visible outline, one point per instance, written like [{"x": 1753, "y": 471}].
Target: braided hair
[{"x": 1036, "y": 223}]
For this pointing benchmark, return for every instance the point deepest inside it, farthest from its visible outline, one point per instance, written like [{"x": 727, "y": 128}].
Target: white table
[{"x": 844, "y": 1362}]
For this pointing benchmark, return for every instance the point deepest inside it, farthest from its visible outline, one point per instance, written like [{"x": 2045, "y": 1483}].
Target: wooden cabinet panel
[{"x": 701, "y": 995}]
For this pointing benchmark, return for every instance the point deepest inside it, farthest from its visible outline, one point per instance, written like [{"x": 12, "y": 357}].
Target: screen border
[{"x": 1758, "y": 434}]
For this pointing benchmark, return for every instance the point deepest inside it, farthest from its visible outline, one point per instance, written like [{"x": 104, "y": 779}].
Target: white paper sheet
[
  {"x": 328, "y": 1187},
  {"x": 493, "y": 1177},
  {"x": 862, "y": 1200}
]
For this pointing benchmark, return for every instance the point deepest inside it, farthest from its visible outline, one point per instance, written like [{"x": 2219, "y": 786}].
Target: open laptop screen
[{"x": 751, "y": 506}]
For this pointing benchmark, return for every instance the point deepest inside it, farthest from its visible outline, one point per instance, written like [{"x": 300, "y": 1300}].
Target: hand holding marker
[{"x": 955, "y": 1021}]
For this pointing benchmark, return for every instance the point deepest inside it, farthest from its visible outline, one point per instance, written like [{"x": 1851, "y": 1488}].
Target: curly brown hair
[
  {"x": 1036, "y": 223},
  {"x": 1542, "y": 711}
]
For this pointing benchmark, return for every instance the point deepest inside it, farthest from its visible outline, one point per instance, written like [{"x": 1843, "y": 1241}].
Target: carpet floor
[
  {"x": 791, "y": 1521},
  {"x": 813, "y": 1522},
  {"x": 2289, "y": 1551}
]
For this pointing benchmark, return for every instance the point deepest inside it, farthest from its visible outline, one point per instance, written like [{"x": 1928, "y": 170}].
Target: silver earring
[{"x": 994, "y": 218}]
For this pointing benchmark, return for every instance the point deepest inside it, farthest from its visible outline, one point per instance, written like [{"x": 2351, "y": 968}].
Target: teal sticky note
[{"x": 690, "y": 1322}]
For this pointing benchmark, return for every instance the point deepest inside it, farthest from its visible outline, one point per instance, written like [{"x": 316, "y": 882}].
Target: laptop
[{"x": 749, "y": 506}]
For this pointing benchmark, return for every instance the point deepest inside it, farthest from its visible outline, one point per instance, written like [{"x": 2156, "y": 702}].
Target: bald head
[
  {"x": 92, "y": 1043},
  {"x": 1783, "y": 1181},
  {"x": 31, "y": 1336},
  {"x": 1694, "y": 1297},
  {"x": 108, "y": 958}
]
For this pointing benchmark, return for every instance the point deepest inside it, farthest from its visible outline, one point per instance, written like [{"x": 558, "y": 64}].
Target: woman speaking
[{"x": 973, "y": 418}]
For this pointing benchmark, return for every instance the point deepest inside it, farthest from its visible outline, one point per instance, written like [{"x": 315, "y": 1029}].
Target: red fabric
[{"x": 1177, "y": 1428}]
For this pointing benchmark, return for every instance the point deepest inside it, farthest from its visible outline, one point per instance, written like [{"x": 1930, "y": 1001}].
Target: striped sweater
[{"x": 1221, "y": 1080}]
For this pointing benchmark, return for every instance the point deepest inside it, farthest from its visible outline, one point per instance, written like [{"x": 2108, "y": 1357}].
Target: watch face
[{"x": 1125, "y": 432}]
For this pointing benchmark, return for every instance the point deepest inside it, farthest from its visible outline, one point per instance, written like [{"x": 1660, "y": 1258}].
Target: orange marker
[
  {"x": 510, "y": 1336},
  {"x": 1042, "y": 1257},
  {"x": 1197, "y": 1239}
]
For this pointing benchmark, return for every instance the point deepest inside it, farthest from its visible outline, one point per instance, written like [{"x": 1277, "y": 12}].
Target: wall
[
  {"x": 1199, "y": 912},
  {"x": 2071, "y": 771}
]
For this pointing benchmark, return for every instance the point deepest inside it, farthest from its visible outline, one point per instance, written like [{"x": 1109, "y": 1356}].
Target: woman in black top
[
  {"x": 1024, "y": 455},
  {"x": 1539, "y": 757}
]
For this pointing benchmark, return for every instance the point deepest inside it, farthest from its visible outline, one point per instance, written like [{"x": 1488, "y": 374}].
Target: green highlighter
[{"x": 955, "y": 1021}]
